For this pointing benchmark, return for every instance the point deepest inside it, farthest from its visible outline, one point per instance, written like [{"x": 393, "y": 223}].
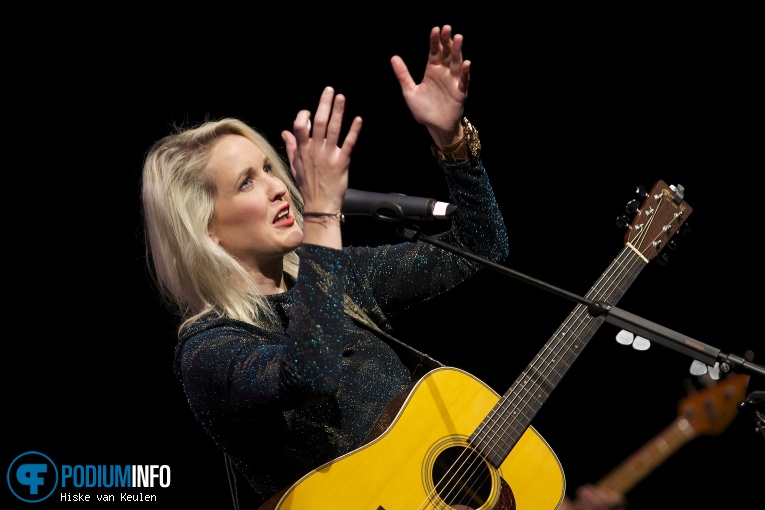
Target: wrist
[
  {"x": 443, "y": 138},
  {"x": 467, "y": 147}
]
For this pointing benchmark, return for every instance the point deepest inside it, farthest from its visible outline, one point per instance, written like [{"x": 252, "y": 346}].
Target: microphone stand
[{"x": 621, "y": 318}]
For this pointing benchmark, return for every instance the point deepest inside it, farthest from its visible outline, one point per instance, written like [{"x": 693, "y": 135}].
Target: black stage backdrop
[{"x": 575, "y": 110}]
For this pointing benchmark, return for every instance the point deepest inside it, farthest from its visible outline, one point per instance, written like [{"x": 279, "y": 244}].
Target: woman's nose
[{"x": 278, "y": 188}]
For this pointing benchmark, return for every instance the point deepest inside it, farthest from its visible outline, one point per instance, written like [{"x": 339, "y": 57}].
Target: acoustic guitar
[
  {"x": 454, "y": 443},
  {"x": 707, "y": 412}
]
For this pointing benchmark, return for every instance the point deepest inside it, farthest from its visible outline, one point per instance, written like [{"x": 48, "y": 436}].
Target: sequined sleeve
[{"x": 390, "y": 278}]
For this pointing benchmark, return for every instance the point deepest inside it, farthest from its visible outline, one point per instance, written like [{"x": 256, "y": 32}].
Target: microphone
[{"x": 394, "y": 206}]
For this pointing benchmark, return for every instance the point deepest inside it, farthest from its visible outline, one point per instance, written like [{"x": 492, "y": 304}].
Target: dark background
[{"x": 574, "y": 109}]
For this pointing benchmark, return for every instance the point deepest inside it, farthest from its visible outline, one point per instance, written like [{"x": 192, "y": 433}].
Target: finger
[
  {"x": 464, "y": 77},
  {"x": 336, "y": 120},
  {"x": 290, "y": 144},
  {"x": 352, "y": 137},
  {"x": 293, "y": 156},
  {"x": 446, "y": 41},
  {"x": 456, "y": 49},
  {"x": 321, "y": 118},
  {"x": 435, "y": 46},
  {"x": 402, "y": 74},
  {"x": 300, "y": 126}
]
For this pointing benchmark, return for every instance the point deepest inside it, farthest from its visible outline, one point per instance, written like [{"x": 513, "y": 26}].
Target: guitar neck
[
  {"x": 709, "y": 411},
  {"x": 518, "y": 406},
  {"x": 661, "y": 215},
  {"x": 640, "y": 464}
]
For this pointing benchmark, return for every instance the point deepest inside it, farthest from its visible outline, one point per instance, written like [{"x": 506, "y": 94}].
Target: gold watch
[{"x": 469, "y": 147}]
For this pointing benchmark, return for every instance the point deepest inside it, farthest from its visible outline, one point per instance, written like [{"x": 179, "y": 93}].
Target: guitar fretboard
[{"x": 503, "y": 427}]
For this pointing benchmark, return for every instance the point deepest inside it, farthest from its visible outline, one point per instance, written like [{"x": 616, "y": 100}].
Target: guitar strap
[{"x": 418, "y": 362}]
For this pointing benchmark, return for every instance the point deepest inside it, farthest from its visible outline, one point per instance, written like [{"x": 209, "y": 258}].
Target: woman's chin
[{"x": 294, "y": 239}]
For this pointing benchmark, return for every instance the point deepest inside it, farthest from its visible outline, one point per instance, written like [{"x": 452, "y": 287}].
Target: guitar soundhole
[{"x": 462, "y": 478}]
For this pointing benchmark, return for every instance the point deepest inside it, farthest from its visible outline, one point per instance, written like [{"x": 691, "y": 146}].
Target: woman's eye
[
  {"x": 246, "y": 184},
  {"x": 267, "y": 168}
]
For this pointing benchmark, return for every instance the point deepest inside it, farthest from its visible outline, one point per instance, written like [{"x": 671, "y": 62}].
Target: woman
[{"x": 284, "y": 349}]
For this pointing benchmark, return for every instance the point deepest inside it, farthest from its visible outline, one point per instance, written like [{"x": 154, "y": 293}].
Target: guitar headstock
[
  {"x": 712, "y": 409},
  {"x": 662, "y": 214}
]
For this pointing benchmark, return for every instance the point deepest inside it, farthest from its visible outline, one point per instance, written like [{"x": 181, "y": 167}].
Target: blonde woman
[{"x": 285, "y": 351}]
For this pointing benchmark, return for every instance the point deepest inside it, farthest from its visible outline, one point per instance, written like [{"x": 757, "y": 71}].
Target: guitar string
[{"x": 561, "y": 340}]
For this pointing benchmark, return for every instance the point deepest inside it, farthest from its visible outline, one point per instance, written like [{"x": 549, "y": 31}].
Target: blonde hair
[{"x": 192, "y": 273}]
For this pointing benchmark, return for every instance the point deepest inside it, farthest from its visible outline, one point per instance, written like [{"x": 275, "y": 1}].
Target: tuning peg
[
  {"x": 663, "y": 259},
  {"x": 638, "y": 342},
  {"x": 672, "y": 245},
  {"x": 622, "y": 221},
  {"x": 632, "y": 206}
]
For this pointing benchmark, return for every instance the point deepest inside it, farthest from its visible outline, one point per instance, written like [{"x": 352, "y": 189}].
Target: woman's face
[{"x": 252, "y": 219}]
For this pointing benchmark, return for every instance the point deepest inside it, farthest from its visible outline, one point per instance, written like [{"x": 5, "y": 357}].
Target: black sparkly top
[{"x": 283, "y": 399}]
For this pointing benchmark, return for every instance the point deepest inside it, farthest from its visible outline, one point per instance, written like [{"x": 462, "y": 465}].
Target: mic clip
[{"x": 386, "y": 210}]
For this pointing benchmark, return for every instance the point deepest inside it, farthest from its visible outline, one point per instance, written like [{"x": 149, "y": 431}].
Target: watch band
[{"x": 469, "y": 147}]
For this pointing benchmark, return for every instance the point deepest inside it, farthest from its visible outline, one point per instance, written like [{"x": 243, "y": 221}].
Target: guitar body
[{"x": 401, "y": 468}]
